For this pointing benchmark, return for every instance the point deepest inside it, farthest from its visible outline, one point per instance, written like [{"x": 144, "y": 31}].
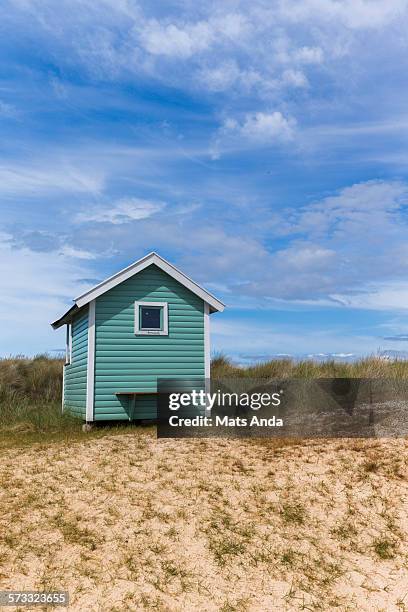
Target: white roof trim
[{"x": 138, "y": 266}]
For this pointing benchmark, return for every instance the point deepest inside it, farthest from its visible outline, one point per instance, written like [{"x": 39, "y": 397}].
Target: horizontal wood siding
[
  {"x": 127, "y": 362},
  {"x": 76, "y": 371}
]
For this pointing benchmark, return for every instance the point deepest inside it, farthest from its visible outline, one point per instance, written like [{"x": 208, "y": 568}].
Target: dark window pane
[{"x": 150, "y": 317}]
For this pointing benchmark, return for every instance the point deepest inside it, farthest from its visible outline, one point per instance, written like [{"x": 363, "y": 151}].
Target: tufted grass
[
  {"x": 31, "y": 389},
  {"x": 369, "y": 367},
  {"x": 30, "y": 404}
]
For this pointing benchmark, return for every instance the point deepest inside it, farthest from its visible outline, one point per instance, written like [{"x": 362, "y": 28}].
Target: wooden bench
[{"x": 132, "y": 395}]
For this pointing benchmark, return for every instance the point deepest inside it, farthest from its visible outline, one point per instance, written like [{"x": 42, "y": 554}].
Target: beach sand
[{"x": 129, "y": 522}]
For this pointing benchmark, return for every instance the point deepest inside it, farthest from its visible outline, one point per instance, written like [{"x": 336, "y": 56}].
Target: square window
[{"x": 151, "y": 317}]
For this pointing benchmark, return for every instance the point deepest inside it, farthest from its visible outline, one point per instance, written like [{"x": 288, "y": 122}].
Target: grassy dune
[
  {"x": 370, "y": 367},
  {"x": 30, "y": 404},
  {"x": 31, "y": 388},
  {"x": 30, "y": 398}
]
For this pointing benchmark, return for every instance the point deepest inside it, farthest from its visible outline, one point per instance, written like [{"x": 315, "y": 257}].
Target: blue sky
[{"x": 260, "y": 146}]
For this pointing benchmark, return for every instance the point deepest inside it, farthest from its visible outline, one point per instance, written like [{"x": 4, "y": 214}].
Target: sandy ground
[{"x": 126, "y": 522}]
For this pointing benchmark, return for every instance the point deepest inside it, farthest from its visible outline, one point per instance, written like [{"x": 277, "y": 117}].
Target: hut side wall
[{"x": 76, "y": 372}]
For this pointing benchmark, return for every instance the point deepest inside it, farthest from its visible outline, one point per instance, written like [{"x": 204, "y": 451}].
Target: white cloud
[
  {"x": 36, "y": 290},
  {"x": 352, "y": 212},
  {"x": 327, "y": 258},
  {"x": 287, "y": 52},
  {"x": 352, "y": 13},
  {"x": 171, "y": 40},
  {"x": 262, "y": 127},
  {"x": 48, "y": 177},
  {"x": 70, "y": 251},
  {"x": 134, "y": 38},
  {"x": 234, "y": 26},
  {"x": 304, "y": 258},
  {"x": 295, "y": 78},
  {"x": 329, "y": 255},
  {"x": 308, "y": 55},
  {"x": 182, "y": 40},
  {"x": 220, "y": 77},
  {"x": 388, "y": 296},
  {"x": 345, "y": 248},
  {"x": 8, "y": 111},
  {"x": 122, "y": 211}
]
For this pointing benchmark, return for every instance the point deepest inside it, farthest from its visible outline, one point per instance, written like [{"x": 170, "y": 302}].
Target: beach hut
[{"x": 147, "y": 322}]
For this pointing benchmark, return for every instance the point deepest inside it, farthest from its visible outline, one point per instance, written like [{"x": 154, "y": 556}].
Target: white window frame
[
  {"x": 152, "y": 332},
  {"x": 68, "y": 348}
]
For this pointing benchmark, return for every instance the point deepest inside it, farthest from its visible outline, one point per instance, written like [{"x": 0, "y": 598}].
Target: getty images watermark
[
  {"x": 204, "y": 401},
  {"x": 300, "y": 408}
]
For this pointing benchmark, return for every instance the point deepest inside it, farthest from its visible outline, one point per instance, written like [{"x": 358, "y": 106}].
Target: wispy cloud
[
  {"x": 250, "y": 41},
  {"x": 8, "y": 111},
  {"x": 73, "y": 253},
  {"x": 323, "y": 260},
  {"x": 397, "y": 338},
  {"x": 356, "y": 14},
  {"x": 308, "y": 55},
  {"x": 35, "y": 289},
  {"x": 41, "y": 241},
  {"x": 22, "y": 178},
  {"x": 123, "y": 211}
]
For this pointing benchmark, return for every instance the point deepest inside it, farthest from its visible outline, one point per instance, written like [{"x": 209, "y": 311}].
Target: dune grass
[
  {"x": 30, "y": 396},
  {"x": 31, "y": 389},
  {"x": 30, "y": 404},
  {"x": 369, "y": 367}
]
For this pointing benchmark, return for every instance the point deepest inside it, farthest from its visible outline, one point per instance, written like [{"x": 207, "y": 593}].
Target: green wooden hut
[{"x": 147, "y": 322}]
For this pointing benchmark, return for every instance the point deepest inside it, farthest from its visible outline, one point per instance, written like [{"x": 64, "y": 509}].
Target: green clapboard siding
[
  {"x": 126, "y": 362},
  {"x": 76, "y": 371}
]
